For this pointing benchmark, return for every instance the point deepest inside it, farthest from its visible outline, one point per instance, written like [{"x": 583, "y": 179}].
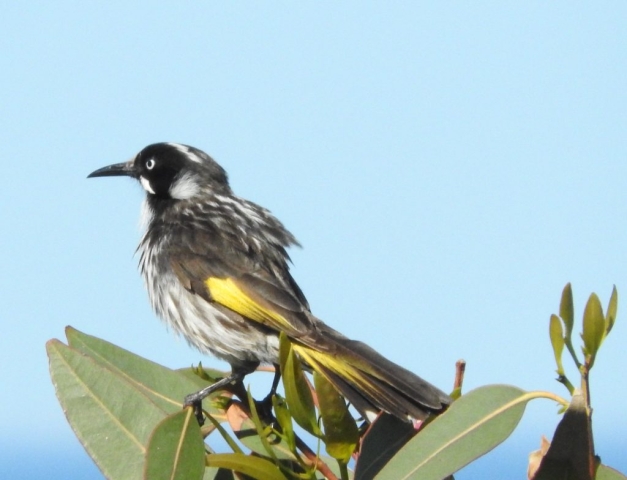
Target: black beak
[{"x": 126, "y": 169}]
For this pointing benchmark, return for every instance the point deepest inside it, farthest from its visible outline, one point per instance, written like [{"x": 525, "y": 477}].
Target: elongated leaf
[
  {"x": 567, "y": 309},
  {"x": 264, "y": 441},
  {"x": 285, "y": 421},
  {"x": 612, "y": 310},
  {"x": 166, "y": 387},
  {"x": 261, "y": 440},
  {"x": 225, "y": 435},
  {"x": 340, "y": 430},
  {"x": 297, "y": 393},
  {"x": 202, "y": 375},
  {"x": 557, "y": 341},
  {"x": 176, "y": 449},
  {"x": 111, "y": 417},
  {"x": 593, "y": 325},
  {"x": 255, "y": 467},
  {"x": 471, "y": 427}
]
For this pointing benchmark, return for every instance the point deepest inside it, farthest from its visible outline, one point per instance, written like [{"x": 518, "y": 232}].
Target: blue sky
[{"x": 447, "y": 168}]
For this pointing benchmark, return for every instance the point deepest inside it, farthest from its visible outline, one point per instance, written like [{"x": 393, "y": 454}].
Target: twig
[
  {"x": 322, "y": 467},
  {"x": 563, "y": 379},
  {"x": 460, "y": 369},
  {"x": 569, "y": 346}
]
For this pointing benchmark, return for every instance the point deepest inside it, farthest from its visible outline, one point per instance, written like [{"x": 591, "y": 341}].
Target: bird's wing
[
  {"x": 260, "y": 289},
  {"x": 261, "y": 293}
]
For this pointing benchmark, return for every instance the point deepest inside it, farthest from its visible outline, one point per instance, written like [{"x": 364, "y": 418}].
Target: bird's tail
[{"x": 369, "y": 381}]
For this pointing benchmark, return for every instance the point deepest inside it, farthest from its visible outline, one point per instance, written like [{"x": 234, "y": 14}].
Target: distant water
[
  {"x": 34, "y": 463},
  {"x": 72, "y": 463}
]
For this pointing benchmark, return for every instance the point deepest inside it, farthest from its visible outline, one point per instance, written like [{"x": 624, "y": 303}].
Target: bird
[{"x": 217, "y": 271}]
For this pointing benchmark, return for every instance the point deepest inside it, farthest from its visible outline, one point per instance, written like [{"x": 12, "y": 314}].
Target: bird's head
[{"x": 171, "y": 171}]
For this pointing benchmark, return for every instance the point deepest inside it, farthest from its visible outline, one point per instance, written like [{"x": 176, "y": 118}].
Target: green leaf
[
  {"x": 206, "y": 375},
  {"x": 176, "y": 450},
  {"x": 166, "y": 387},
  {"x": 111, "y": 416},
  {"x": 253, "y": 440},
  {"x": 263, "y": 430},
  {"x": 606, "y": 473},
  {"x": 567, "y": 310},
  {"x": 261, "y": 439},
  {"x": 255, "y": 467},
  {"x": 340, "y": 430},
  {"x": 225, "y": 435},
  {"x": 471, "y": 427},
  {"x": 557, "y": 341},
  {"x": 297, "y": 392},
  {"x": 593, "y": 325},
  {"x": 612, "y": 310},
  {"x": 285, "y": 421}
]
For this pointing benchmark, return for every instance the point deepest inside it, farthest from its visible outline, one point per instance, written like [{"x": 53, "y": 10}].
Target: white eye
[{"x": 150, "y": 164}]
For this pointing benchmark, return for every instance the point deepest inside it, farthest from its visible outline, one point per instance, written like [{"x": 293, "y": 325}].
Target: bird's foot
[
  {"x": 194, "y": 400},
  {"x": 264, "y": 409}
]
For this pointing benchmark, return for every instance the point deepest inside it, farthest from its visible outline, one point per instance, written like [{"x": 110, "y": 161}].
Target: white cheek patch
[
  {"x": 146, "y": 184},
  {"x": 184, "y": 188}
]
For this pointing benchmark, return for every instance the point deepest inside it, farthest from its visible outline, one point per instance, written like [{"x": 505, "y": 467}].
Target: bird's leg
[
  {"x": 275, "y": 380},
  {"x": 238, "y": 372},
  {"x": 265, "y": 406}
]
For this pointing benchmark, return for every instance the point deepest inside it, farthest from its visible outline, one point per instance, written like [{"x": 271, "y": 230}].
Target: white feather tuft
[
  {"x": 187, "y": 151},
  {"x": 146, "y": 184},
  {"x": 185, "y": 187},
  {"x": 145, "y": 216}
]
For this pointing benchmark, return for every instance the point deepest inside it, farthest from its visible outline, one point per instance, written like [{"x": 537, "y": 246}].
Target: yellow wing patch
[
  {"x": 226, "y": 292},
  {"x": 340, "y": 367}
]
